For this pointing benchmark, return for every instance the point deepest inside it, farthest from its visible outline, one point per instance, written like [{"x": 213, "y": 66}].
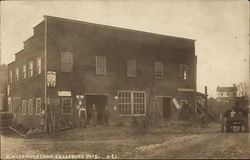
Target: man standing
[
  {"x": 82, "y": 117},
  {"x": 94, "y": 115},
  {"x": 105, "y": 116}
]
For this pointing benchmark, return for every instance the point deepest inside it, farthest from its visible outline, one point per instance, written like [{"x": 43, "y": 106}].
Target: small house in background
[{"x": 226, "y": 94}]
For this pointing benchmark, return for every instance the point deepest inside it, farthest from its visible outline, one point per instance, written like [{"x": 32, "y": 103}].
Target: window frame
[
  {"x": 38, "y": 99},
  {"x": 38, "y": 65},
  {"x": 24, "y": 71},
  {"x": 101, "y": 65},
  {"x": 182, "y": 75},
  {"x": 159, "y": 68},
  {"x": 131, "y": 67},
  {"x": 10, "y": 76},
  {"x": 24, "y": 105},
  {"x": 132, "y": 103},
  {"x": 67, "y": 61},
  {"x": 17, "y": 74},
  {"x": 30, "y": 107},
  {"x": 71, "y": 105},
  {"x": 31, "y": 68}
]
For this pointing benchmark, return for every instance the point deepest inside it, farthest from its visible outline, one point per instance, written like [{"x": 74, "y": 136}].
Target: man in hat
[{"x": 82, "y": 117}]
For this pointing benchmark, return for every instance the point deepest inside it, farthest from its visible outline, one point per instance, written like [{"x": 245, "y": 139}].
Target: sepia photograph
[{"x": 116, "y": 79}]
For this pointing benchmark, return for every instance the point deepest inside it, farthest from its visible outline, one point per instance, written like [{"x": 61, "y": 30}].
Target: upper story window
[
  {"x": 158, "y": 69},
  {"x": 24, "y": 71},
  {"x": 30, "y": 68},
  {"x": 38, "y": 65},
  {"x": 101, "y": 65},
  {"x": 10, "y": 77},
  {"x": 17, "y": 74},
  {"x": 221, "y": 94},
  {"x": 66, "y": 62},
  {"x": 131, "y": 67},
  {"x": 183, "y": 72}
]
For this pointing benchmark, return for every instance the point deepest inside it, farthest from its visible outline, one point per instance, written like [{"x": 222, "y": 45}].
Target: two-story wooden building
[{"x": 67, "y": 61}]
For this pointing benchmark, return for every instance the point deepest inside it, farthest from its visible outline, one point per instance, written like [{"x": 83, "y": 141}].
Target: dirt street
[{"x": 122, "y": 142}]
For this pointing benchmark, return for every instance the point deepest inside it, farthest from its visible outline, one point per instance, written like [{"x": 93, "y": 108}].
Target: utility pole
[
  {"x": 206, "y": 95},
  {"x": 45, "y": 77}
]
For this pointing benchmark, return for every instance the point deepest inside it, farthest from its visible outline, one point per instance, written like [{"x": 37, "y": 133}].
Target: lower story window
[
  {"x": 24, "y": 107},
  {"x": 67, "y": 106},
  {"x": 30, "y": 107},
  {"x": 10, "y": 106},
  {"x": 132, "y": 102},
  {"x": 38, "y": 106}
]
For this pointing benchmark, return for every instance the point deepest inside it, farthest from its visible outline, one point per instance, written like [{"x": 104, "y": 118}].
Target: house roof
[{"x": 226, "y": 89}]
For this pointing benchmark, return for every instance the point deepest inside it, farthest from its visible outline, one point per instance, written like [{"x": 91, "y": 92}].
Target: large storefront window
[
  {"x": 67, "y": 106},
  {"x": 132, "y": 102}
]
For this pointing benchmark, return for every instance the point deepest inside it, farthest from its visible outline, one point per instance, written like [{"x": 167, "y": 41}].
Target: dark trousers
[
  {"x": 94, "y": 121},
  {"x": 82, "y": 123},
  {"x": 105, "y": 121}
]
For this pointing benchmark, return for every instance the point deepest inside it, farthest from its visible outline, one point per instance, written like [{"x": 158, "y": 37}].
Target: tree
[{"x": 242, "y": 89}]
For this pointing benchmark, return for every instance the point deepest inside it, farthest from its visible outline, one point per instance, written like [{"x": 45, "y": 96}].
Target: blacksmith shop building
[{"x": 134, "y": 73}]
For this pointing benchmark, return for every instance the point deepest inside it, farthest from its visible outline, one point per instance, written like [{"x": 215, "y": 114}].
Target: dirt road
[
  {"x": 121, "y": 144},
  {"x": 235, "y": 145}
]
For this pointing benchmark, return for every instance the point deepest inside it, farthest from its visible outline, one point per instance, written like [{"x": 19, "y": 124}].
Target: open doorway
[
  {"x": 100, "y": 102},
  {"x": 166, "y": 107}
]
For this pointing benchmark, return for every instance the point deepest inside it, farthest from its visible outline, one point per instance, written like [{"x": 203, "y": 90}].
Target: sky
[{"x": 220, "y": 28}]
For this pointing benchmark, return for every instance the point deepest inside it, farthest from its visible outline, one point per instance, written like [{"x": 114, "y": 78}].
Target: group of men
[{"x": 92, "y": 116}]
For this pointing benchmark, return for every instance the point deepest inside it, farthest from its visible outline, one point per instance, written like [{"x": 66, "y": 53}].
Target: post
[
  {"x": 45, "y": 77},
  {"x": 206, "y": 98}
]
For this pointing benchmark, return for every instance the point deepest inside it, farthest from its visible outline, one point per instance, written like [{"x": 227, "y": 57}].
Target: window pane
[
  {"x": 131, "y": 68},
  {"x": 67, "y": 106},
  {"x": 183, "y": 72},
  {"x": 158, "y": 69},
  {"x": 67, "y": 62},
  {"x": 101, "y": 65}
]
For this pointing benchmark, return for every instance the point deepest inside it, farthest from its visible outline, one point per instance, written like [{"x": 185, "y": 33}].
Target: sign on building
[
  {"x": 51, "y": 79},
  {"x": 64, "y": 93}
]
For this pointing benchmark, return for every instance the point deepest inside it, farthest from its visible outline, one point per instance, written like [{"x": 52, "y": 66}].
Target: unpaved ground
[{"x": 114, "y": 142}]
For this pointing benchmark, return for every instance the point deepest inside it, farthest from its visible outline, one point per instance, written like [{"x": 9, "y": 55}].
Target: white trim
[
  {"x": 37, "y": 106},
  {"x": 132, "y": 102},
  {"x": 185, "y": 89},
  {"x": 24, "y": 107},
  {"x": 30, "y": 108}
]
